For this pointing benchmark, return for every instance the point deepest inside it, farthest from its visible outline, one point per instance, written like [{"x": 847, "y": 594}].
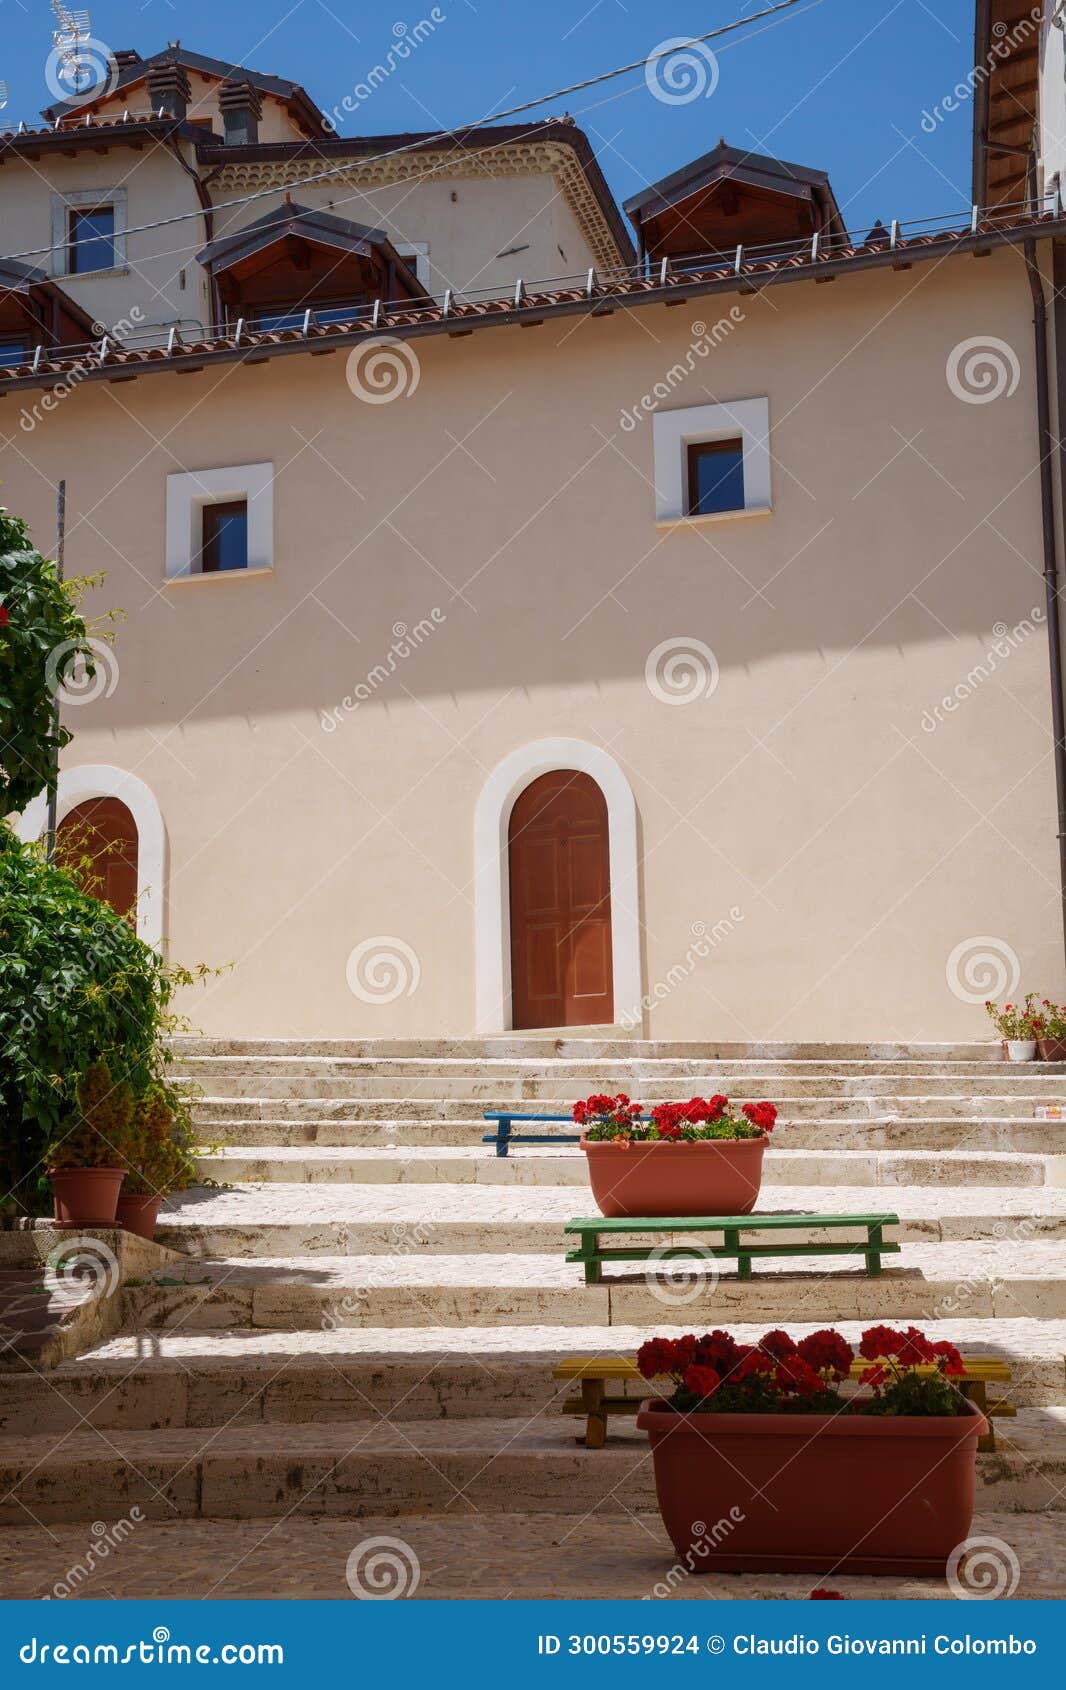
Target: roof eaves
[{"x": 415, "y": 320}]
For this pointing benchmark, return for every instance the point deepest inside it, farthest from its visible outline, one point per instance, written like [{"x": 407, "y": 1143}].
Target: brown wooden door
[
  {"x": 97, "y": 842},
  {"x": 560, "y": 875}
]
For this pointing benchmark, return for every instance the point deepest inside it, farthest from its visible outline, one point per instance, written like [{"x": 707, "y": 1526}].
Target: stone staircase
[{"x": 370, "y": 1302}]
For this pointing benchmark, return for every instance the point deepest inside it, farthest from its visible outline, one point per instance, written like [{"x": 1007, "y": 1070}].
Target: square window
[
  {"x": 225, "y": 536},
  {"x": 92, "y": 240},
  {"x": 715, "y": 477}
]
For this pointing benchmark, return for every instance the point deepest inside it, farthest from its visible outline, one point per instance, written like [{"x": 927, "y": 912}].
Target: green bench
[{"x": 733, "y": 1246}]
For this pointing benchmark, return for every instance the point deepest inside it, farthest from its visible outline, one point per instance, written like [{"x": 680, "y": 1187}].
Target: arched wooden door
[
  {"x": 560, "y": 879},
  {"x": 103, "y": 831}
]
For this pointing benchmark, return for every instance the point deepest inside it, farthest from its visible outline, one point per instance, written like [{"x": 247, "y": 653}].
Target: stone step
[
  {"x": 491, "y": 1091},
  {"x": 376, "y": 1467},
  {"x": 366, "y": 1220},
  {"x": 1023, "y": 1136},
  {"x": 416, "y": 1289},
  {"x": 577, "y": 1048},
  {"x": 479, "y": 1164},
  {"x": 608, "y": 1555},
  {"x": 596, "y": 1074},
  {"x": 186, "y": 1379},
  {"x": 468, "y": 1109}
]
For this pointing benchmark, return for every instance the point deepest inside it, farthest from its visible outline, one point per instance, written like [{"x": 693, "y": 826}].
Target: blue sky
[{"x": 841, "y": 84}]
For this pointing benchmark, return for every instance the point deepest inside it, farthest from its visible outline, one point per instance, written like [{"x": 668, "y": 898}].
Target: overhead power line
[{"x": 443, "y": 134}]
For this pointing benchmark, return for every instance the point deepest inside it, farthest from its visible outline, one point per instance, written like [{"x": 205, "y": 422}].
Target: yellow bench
[{"x": 595, "y": 1373}]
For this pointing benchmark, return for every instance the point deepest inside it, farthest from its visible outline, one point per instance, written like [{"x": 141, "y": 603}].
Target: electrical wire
[{"x": 443, "y": 134}]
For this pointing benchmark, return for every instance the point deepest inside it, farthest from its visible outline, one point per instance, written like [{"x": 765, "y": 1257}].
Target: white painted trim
[
  {"x": 83, "y": 199},
  {"x": 188, "y": 491},
  {"x": 673, "y": 431},
  {"x": 492, "y": 893},
  {"x": 98, "y": 780}
]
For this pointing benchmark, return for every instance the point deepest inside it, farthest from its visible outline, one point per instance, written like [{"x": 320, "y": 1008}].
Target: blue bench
[{"x": 505, "y": 1136}]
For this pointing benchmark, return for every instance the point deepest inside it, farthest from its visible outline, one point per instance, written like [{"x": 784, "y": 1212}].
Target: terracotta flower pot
[
  {"x": 1051, "y": 1050},
  {"x": 86, "y": 1196},
  {"x": 137, "y": 1212},
  {"x": 814, "y": 1493},
  {"x": 688, "y": 1177}
]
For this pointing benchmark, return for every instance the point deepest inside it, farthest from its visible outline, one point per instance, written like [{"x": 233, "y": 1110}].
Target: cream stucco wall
[{"x": 820, "y": 838}]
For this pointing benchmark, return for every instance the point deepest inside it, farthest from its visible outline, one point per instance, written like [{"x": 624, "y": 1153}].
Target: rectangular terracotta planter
[
  {"x": 718, "y": 1176},
  {"x": 814, "y": 1493}
]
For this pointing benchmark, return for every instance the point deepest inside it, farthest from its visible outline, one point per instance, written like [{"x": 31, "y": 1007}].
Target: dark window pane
[
  {"x": 715, "y": 477},
  {"x": 14, "y": 352},
  {"x": 225, "y": 537},
  {"x": 293, "y": 318},
  {"x": 92, "y": 240}
]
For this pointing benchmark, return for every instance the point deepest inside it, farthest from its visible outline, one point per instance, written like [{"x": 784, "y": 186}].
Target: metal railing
[{"x": 599, "y": 283}]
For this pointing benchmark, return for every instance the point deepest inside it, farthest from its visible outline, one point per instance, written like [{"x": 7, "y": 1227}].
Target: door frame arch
[
  {"x": 100, "y": 780},
  {"x": 492, "y": 889}
]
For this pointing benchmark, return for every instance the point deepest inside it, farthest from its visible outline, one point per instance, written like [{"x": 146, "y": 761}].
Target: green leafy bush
[
  {"x": 42, "y": 639},
  {"x": 76, "y": 987}
]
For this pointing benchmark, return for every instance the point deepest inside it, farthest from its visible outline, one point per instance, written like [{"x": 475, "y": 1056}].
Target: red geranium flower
[
  {"x": 793, "y": 1374},
  {"x": 761, "y": 1115},
  {"x": 719, "y": 1350},
  {"x": 827, "y": 1596},
  {"x": 701, "y": 1381},
  {"x": 777, "y": 1344},
  {"x": 656, "y": 1357},
  {"x": 880, "y": 1341},
  {"x": 4, "y": 617},
  {"x": 951, "y": 1356},
  {"x": 828, "y": 1352}
]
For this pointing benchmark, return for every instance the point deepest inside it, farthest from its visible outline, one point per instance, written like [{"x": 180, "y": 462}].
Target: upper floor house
[{"x": 192, "y": 198}]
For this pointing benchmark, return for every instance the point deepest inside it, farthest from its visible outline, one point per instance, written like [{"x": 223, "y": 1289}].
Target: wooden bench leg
[
  {"x": 590, "y": 1244},
  {"x": 592, "y": 1393},
  {"x": 874, "y": 1240},
  {"x": 977, "y": 1392},
  {"x": 503, "y": 1136}
]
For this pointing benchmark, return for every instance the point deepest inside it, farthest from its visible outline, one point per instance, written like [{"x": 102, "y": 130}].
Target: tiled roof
[{"x": 599, "y": 295}]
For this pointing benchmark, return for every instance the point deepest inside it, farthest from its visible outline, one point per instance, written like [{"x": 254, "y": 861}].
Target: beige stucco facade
[{"x": 859, "y": 801}]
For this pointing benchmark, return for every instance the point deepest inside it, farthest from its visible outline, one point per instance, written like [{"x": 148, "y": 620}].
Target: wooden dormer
[
  {"x": 731, "y": 198},
  {"x": 297, "y": 258}
]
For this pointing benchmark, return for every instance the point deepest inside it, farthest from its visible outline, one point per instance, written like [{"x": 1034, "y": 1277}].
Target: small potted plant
[
  {"x": 85, "y": 1158},
  {"x": 825, "y": 1472},
  {"x": 695, "y": 1158},
  {"x": 1018, "y": 1027},
  {"x": 156, "y": 1164},
  {"x": 1050, "y": 1029}
]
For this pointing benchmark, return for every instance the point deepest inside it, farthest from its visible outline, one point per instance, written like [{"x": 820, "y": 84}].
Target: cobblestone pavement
[{"x": 489, "y": 1557}]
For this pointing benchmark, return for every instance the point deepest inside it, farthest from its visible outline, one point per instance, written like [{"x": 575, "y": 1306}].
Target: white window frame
[
  {"x": 419, "y": 251},
  {"x": 188, "y": 491},
  {"x": 86, "y": 199},
  {"x": 673, "y": 432}
]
